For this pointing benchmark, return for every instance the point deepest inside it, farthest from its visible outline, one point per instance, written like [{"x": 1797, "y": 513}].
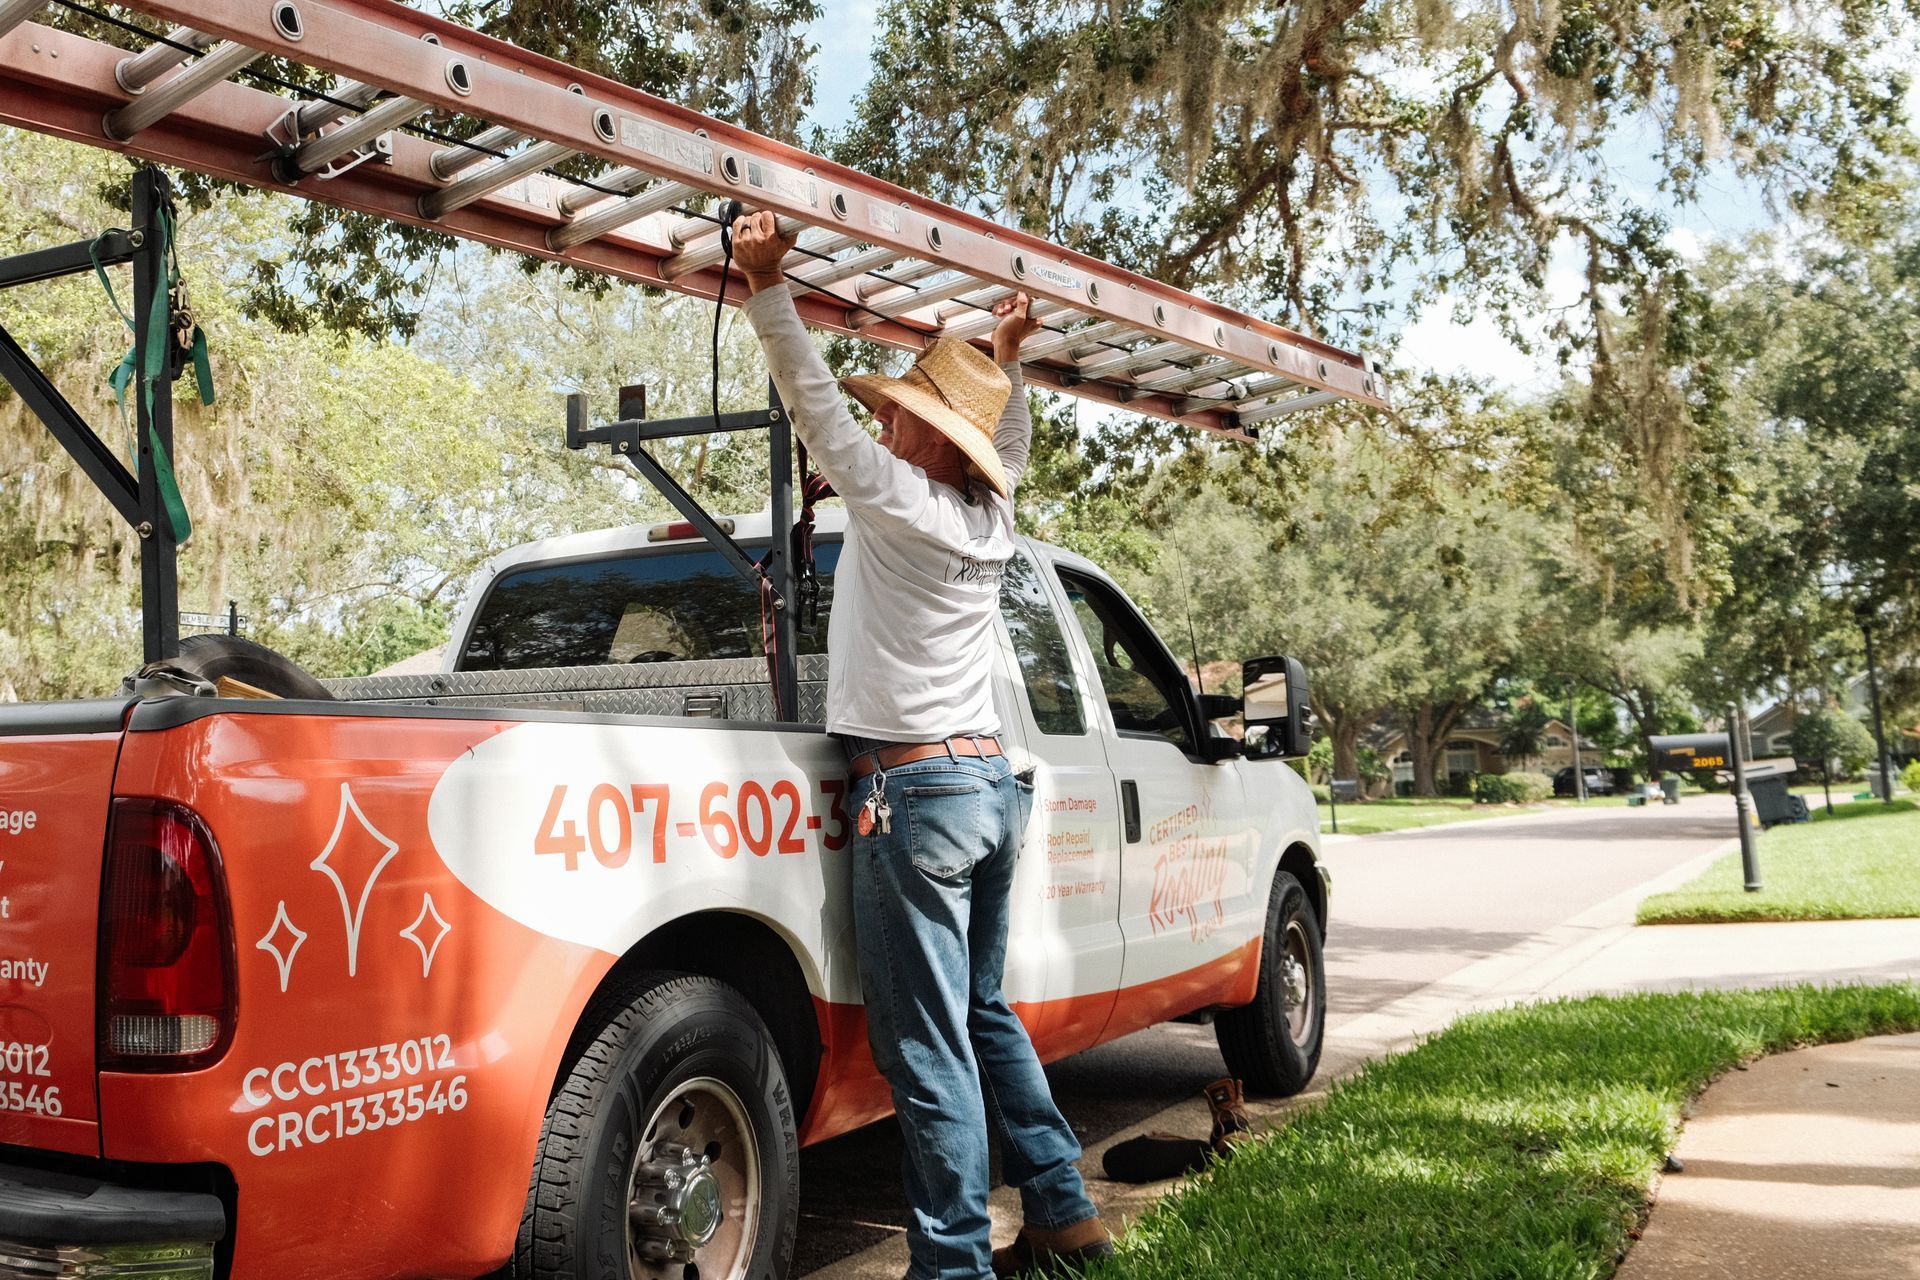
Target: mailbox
[{"x": 1675, "y": 751}]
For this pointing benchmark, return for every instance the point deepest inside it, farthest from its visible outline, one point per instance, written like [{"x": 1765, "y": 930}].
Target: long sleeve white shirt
[{"x": 910, "y": 636}]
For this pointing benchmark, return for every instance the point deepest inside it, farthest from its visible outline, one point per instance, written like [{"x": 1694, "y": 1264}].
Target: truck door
[
  {"x": 1066, "y": 904},
  {"x": 1186, "y": 847}
]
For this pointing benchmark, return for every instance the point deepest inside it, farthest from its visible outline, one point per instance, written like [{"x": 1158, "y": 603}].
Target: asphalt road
[{"x": 1408, "y": 909}]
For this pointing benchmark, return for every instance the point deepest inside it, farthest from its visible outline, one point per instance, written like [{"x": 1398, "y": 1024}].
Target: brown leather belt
[{"x": 910, "y": 752}]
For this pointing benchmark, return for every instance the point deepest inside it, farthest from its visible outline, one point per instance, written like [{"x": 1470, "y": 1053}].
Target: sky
[{"x": 1435, "y": 339}]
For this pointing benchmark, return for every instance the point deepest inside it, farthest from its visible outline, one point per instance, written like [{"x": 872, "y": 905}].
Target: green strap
[{"x": 156, "y": 352}]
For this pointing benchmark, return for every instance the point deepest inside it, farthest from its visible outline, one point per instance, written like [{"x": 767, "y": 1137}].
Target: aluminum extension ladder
[{"x": 874, "y": 261}]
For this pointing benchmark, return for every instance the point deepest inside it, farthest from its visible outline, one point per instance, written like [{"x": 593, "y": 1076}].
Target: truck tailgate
[{"x": 56, "y": 786}]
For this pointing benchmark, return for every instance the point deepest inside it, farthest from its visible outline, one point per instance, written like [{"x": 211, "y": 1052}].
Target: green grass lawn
[
  {"x": 1516, "y": 1144},
  {"x": 1405, "y": 813},
  {"x": 1861, "y": 863}
]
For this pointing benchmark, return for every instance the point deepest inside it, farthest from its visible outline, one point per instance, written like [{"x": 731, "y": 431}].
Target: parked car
[
  {"x": 546, "y": 958},
  {"x": 1600, "y": 782}
]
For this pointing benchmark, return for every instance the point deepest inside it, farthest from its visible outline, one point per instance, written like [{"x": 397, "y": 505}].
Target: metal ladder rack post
[
  {"x": 135, "y": 495},
  {"x": 625, "y": 437}
]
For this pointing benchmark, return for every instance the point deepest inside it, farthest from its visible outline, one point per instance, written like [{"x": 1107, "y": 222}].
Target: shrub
[
  {"x": 1910, "y": 777},
  {"x": 1511, "y": 788}
]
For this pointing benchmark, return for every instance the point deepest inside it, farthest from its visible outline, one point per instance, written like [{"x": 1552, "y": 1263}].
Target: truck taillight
[{"x": 167, "y": 990}]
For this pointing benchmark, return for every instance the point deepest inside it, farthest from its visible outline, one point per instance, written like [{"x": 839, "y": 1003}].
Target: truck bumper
[{"x": 63, "y": 1225}]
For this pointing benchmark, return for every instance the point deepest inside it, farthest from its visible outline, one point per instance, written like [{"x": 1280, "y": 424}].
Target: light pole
[
  {"x": 1864, "y": 616},
  {"x": 1579, "y": 774},
  {"x": 1862, "y": 601}
]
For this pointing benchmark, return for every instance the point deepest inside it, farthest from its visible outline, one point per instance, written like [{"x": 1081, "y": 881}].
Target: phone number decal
[
  {"x": 326, "y": 1116},
  {"x": 758, "y": 818}
]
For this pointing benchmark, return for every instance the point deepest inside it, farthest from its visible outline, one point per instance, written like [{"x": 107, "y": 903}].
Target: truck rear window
[{"x": 649, "y": 606}]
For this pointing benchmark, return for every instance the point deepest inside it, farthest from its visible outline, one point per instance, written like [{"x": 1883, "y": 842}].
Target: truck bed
[{"x": 721, "y": 688}]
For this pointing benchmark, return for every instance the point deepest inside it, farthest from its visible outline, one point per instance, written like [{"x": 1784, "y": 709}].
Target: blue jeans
[{"x": 930, "y": 902}]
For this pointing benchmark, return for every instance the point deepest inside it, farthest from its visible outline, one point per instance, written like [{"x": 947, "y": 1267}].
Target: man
[{"x": 909, "y": 687}]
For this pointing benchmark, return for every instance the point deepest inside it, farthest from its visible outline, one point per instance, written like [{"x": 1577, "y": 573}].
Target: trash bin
[
  {"x": 1670, "y": 788},
  {"x": 1771, "y": 803}
]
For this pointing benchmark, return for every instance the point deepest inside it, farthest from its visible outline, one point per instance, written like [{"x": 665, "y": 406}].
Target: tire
[
  {"x": 1273, "y": 1044},
  {"x": 660, "y": 1057},
  {"x": 214, "y": 656}
]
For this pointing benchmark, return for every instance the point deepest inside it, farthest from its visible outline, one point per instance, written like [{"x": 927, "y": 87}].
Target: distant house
[
  {"x": 1473, "y": 746},
  {"x": 1771, "y": 731}
]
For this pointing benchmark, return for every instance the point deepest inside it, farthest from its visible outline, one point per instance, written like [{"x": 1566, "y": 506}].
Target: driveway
[{"x": 1409, "y": 909}]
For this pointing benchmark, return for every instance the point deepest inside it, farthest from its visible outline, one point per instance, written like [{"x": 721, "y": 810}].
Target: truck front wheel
[
  {"x": 670, "y": 1151},
  {"x": 1273, "y": 1044}
]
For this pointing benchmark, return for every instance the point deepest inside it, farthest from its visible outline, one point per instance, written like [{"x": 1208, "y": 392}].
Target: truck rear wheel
[
  {"x": 670, "y": 1151},
  {"x": 1273, "y": 1044}
]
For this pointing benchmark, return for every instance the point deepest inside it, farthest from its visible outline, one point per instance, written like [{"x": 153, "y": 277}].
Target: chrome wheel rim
[
  {"x": 1296, "y": 980},
  {"x": 693, "y": 1195}
]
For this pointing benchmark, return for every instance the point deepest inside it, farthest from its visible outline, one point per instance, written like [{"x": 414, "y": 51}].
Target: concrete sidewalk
[{"x": 1805, "y": 1164}]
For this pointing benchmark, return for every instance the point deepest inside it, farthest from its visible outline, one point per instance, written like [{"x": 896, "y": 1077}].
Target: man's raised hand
[
  {"x": 1015, "y": 327},
  {"x": 759, "y": 249}
]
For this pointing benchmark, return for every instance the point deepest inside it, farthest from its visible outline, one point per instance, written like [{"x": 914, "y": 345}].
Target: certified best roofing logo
[{"x": 355, "y": 855}]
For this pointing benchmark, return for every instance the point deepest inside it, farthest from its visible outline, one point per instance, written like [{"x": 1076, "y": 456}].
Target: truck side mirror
[{"x": 1275, "y": 697}]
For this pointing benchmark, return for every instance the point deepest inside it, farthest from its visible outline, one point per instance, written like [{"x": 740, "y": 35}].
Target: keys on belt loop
[{"x": 875, "y": 811}]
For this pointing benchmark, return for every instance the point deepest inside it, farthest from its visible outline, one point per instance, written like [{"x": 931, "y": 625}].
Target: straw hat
[{"x": 954, "y": 387}]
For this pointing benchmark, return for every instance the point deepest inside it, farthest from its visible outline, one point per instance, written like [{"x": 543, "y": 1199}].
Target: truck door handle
[{"x": 1130, "y": 809}]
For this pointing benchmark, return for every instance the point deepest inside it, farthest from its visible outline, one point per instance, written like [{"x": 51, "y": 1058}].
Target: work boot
[
  {"x": 1231, "y": 1123},
  {"x": 1037, "y": 1251}
]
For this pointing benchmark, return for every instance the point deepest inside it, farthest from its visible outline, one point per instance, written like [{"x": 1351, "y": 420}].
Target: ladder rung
[
  {"x": 887, "y": 308},
  {"x": 967, "y": 330},
  {"x": 688, "y": 231},
  {"x": 1192, "y": 404},
  {"x": 1292, "y": 404},
  {"x": 614, "y": 182},
  {"x": 709, "y": 253},
  {"x": 822, "y": 274},
  {"x": 816, "y": 243},
  {"x": 135, "y": 73},
  {"x": 15, "y": 12},
  {"x": 871, "y": 289},
  {"x": 452, "y": 160},
  {"x": 1266, "y": 386},
  {"x": 1251, "y": 391},
  {"x": 972, "y": 302},
  {"x": 438, "y": 204},
  {"x": 1039, "y": 347},
  {"x": 1107, "y": 366},
  {"x": 614, "y": 216},
  {"x": 1200, "y": 376},
  {"x": 346, "y": 96},
  {"x": 354, "y": 134},
  {"x": 159, "y": 101}
]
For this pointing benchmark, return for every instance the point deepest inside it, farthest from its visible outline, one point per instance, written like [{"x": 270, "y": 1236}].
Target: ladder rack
[{"x": 882, "y": 263}]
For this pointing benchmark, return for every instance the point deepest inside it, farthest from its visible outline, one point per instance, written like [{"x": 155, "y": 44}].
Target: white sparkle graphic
[
  {"x": 381, "y": 847},
  {"x": 282, "y": 958},
  {"x": 440, "y": 930}
]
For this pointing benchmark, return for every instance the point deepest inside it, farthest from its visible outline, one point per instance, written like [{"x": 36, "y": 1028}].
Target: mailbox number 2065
[{"x": 757, "y": 817}]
